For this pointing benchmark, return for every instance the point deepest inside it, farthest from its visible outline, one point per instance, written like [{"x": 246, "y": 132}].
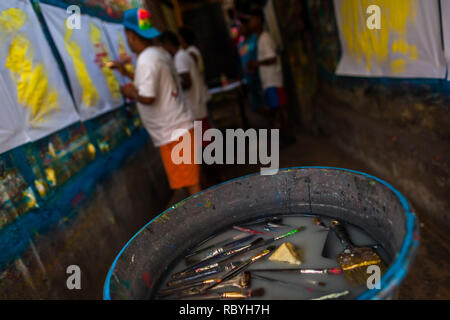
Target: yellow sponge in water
[{"x": 286, "y": 253}]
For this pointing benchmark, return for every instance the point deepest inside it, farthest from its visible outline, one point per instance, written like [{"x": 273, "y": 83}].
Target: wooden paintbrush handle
[{"x": 342, "y": 234}]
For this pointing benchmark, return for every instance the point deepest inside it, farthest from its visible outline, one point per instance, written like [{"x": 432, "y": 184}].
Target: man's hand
[
  {"x": 121, "y": 67},
  {"x": 129, "y": 91},
  {"x": 117, "y": 65}
]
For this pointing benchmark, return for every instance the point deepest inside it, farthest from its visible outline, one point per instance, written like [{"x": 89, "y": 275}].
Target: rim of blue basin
[{"x": 390, "y": 280}]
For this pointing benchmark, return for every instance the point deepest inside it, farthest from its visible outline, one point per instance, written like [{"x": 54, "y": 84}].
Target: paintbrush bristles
[
  {"x": 244, "y": 294},
  {"x": 241, "y": 281},
  {"x": 245, "y": 280}
]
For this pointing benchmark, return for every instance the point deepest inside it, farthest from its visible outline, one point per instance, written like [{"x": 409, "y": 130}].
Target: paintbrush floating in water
[
  {"x": 354, "y": 260},
  {"x": 257, "y": 243},
  {"x": 335, "y": 271},
  {"x": 241, "y": 281},
  {"x": 249, "y": 230},
  {"x": 228, "y": 242},
  {"x": 244, "y": 294},
  {"x": 316, "y": 283},
  {"x": 241, "y": 267},
  {"x": 224, "y": 255},
  {"x": 209, "y": 271},
  {"x": 218, "y": 251},
  {"x": 333, "y": 295},
  {"x": 270, "y": 226}
]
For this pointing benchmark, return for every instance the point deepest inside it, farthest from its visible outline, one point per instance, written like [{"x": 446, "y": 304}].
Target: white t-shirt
[
  {"x": 194, "y": 96},
  {"x": 201, "y": 65},
  {"x": 271, "y": 76},
  {"x": 156, "y": 77}
]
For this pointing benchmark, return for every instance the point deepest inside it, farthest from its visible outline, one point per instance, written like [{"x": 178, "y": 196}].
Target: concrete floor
[{"x": 429, "y": 278}]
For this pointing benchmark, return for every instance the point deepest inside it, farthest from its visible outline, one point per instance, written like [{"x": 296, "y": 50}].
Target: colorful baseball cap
[{"x": 139, "y": 20}]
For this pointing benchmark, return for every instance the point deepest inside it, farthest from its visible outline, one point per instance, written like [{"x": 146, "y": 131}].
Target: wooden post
[{"x": 177, "y": 11}]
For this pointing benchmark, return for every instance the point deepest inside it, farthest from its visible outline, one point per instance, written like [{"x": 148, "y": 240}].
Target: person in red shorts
[{"x": 194, "y": 89}]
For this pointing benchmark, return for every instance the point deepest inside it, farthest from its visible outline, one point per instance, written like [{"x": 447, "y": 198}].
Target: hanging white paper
[
  {"x": 35, "y": 101},
  {"x": 120, "y": 50},
  {"x": 407, "y": 44},
  {"x": 445, "y": 9},
  {"x": 85, "y": 53},
  {"x": 12, "y": 124}
]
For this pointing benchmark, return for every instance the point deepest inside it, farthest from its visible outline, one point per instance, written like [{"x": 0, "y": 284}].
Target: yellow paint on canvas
[
  {"x": 403, "y": 47},
  {"x": 372, "y": 46},
  {"x": 90, "y": 94},
  {"x": 123, "y": 53},
  {"x": 398, "y": 66},
  {"x": 11, "y": 20},
  {"x": 103, "y": 55},
  {"x": 33, "y": 89}
]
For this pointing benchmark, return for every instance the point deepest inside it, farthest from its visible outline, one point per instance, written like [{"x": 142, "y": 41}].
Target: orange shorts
[{"x": 180, "y": 175}]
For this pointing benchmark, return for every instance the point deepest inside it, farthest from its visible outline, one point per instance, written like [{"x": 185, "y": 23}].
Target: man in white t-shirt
[
  {"x": 187, "y": 41},
  {"x": 193, "y": 85},
  {"x": 191, "y": 79},
  {"x": 270, "y": 71},
  {"x": 158, "y": 95}
]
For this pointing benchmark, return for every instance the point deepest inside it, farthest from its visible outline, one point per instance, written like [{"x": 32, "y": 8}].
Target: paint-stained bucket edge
[{"x": 390, "y": 279}]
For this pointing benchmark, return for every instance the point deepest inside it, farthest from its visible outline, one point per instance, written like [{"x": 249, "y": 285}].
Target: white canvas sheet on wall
[
  {"x": 120, "y": 50},
  {"x": 85, "y": 53},
  {"x": 407, "y": 45},
  {"x": 35, "y": 101},
  {"x": 445, "y": 9},
  {"x": 12, "y": 122}
]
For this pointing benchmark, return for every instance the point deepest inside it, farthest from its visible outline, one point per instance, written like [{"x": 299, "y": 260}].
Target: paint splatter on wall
[
  {"x": 111, "y": 130},
  {"x": 102, "y": 58},
  {"x": 16, "y": 196},
  {"x": 63, "y": 154},
  {"x": 407, "y": 43}
]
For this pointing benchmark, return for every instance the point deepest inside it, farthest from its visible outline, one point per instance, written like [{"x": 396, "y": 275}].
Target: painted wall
[
  {"x": 91, "y": 234},
  {"x": 400, "y": 128},
  {"x": 75, "y": 197}
]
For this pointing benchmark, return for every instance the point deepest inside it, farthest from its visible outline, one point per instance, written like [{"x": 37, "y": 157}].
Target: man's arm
[
  {"x": 130, "y": 91},
  {"x": 253, "y": 65},
  {"x": 186, "y": 80},
  {"x": 183, "y": 63},
  {"x": 194, "y": 56},
  {"x": 267, "y": 62},
  {"x": 267, "y": 51}
]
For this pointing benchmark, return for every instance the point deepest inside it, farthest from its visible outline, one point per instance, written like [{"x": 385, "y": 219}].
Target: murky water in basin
[{"x": 310, "y": 241}]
